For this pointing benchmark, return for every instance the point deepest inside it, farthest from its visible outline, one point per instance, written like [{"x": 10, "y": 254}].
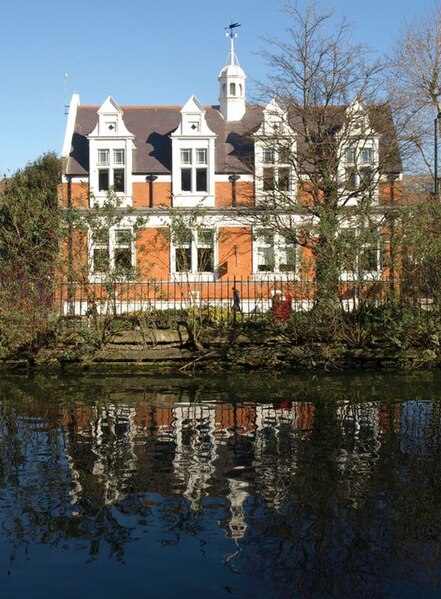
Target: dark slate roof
[{"x": 152, "y": 126}]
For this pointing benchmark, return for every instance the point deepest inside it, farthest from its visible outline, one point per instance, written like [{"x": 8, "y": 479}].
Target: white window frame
[
  {"x": 279, "y": 246},
  {"x": 275, "y": 164},
  {"x": 194, "y": 244},
  {"x": 189, "y": 161},
  {"x": 367, "y": 275},
  {"x": 354, "y": 159},
  {"x": 111, "y": 166},
  {"x": 103, "y": 158},
  {"x": 119, "y": 152},
  {"x": 270, "y": 155},
  {"x": 112, "y": 246}
]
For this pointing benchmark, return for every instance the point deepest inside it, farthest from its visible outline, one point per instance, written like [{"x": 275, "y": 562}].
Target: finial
[
  {"x": 232, "y": 26},
  {"x": 232, "y": 35}
]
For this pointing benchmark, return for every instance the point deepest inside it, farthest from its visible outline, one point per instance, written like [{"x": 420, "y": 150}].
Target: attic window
[
  {"x": 192, "y": 178},
  {"x": 194, "y": 126}
]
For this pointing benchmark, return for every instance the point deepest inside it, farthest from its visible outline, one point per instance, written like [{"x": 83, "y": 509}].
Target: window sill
[
  {"x": 276, "y": 276},
  {"x": 373, "y": 275},
  {"x": 190, "y": 277}
]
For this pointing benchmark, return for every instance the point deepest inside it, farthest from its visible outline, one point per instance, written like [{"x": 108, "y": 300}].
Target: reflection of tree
[{"x": 340, "y": 533}]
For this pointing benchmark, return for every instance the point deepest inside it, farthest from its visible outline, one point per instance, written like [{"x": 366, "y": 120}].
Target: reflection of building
[
  {"x": 101, "y": 455},
  {"x": 237, "y": 497},
  {"x": 195, "y": 448},
  {"x": 203, "y": 449}
]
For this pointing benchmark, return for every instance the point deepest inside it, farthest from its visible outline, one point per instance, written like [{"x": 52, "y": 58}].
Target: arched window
[
  {"x": 240, "y": 90},
  {"x": 232, "y": 89},
  {"x": 224, "y": 89}
]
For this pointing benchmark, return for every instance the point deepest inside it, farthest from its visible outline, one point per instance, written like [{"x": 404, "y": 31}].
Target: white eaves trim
[{"x": 70, "y": 125}]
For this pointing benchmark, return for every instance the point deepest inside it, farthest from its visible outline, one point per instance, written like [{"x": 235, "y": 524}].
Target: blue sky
[{"x": 140, "y": 52}]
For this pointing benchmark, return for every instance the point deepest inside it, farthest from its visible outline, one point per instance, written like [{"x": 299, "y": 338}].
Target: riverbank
[{"x": 174, "y": 350}]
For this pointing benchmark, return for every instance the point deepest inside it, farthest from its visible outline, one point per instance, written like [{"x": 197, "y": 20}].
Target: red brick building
[{"x": 211, "y": 172}]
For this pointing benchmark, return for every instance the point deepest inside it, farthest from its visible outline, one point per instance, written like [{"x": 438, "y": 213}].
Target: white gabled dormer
[
  {"x": 359, "y": 164},
  {"x": 110, "y": 154},
  {"x": 232, "y": 86},
  {"x": 193, "y": 157},
  {"x": 274, "y": 151}
]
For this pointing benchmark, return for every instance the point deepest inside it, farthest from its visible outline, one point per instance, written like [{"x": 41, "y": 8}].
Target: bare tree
[
  {"x": 332, "y": 130},
  {"x": 415, "y": 82}
]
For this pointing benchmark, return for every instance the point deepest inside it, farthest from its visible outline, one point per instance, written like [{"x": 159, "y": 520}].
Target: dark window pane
[
  {"x": 100, "y": 260},
  {"x": 123, "y": 237},
  {"x": 101, "y": 236},
  {"x": 205, "y": 260},
  {"x": 268, "y": 155},
  {"x": 183, "y": 259},
  {"x": 351, "y": 179},
  {"x": 284, "y": 179},
  {"x": 265, "y": 259},
  {"x": 118, "y": 179},
  {"x": 366, "y": 177},
  {"x": 201, "y": 179},
  {"x": 103, "y": 179},
  {"x": 369, "y": 259},
  {"x": 186, "y": 179},
  {"x": 288, "y": 259},
  {"x": 349, "y": 244},
  {"x": 206, "y": 237},
  {"x": 123, "y": 258},
  {"x": 268, "y": 179},
  {"x": 285, "y": 155}
]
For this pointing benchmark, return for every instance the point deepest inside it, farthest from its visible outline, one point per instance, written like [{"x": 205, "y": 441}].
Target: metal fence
[
  {"x": 246, "y": 298},
  {"x": 249, "y": 296}
]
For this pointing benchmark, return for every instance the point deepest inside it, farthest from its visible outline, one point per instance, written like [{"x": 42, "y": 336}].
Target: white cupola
[{"x": 232, "y": 85}]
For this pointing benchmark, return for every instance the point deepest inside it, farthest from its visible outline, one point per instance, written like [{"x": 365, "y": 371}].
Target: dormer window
[
  {"x": 193, "y": 158},
  {"x": 367, "y": 156},
  {"x": 103, "y": 157},
  {"x": 268, "y": 155},
  {"x": 359, "y": 169},
  {"x": 350, "y": 155},
  {"x": 194, "y": 169},
  {"x": 112, "y": 177},
  {"x": 118, "y": 156},
  {"x": 277, "y": 176}
]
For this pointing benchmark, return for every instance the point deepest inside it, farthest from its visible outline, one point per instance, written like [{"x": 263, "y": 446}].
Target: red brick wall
[
  {"x": 141, "y": 194},
  {"x": 153, "y": 253},
  {"x": 235, "y": 252}
]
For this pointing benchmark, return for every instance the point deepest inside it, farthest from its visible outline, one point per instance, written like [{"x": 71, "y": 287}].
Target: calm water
[{"x": 326, "y": 486}]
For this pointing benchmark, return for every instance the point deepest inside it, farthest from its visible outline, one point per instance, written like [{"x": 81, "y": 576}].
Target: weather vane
[{"x": 232, "y": 26}]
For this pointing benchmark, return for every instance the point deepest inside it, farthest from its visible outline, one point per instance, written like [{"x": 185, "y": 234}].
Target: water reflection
[{"x": 327, "y": 487}]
